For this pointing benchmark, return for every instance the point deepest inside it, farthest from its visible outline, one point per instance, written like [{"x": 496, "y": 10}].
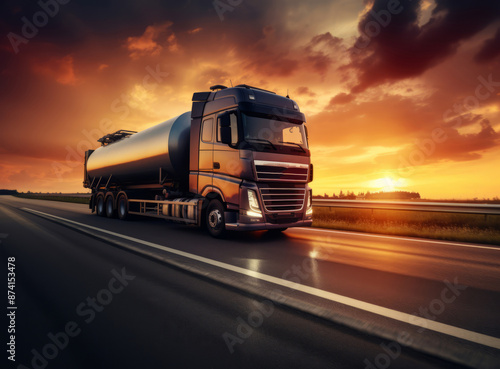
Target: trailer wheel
[
  {"x": 100, "y": 208},
  {"x": 122, "y": 208},
  {"x": 215, "y": 223},
  {"x": 110, "y": 208}
]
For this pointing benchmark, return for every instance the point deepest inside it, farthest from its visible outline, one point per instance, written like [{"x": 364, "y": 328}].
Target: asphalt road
[{"x": 85, "y": 303}]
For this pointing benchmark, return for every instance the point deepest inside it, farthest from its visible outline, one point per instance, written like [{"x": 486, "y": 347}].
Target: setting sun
[{"x": 388, "y": 184}]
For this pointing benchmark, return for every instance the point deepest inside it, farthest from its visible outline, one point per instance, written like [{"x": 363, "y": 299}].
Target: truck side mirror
[{"x": 225, "y": 129}]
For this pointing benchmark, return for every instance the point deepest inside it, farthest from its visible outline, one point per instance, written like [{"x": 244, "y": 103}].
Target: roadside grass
[
  {"x": 63, "y": 198},
  {"x": 441, "y": 226}
]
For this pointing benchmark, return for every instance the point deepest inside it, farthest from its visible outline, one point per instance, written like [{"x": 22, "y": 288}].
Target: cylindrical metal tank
[{"x": 137, "y": 159}]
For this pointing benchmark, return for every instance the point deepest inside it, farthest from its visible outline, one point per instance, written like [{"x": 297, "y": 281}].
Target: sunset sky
[{"x": 397, "y": 95}]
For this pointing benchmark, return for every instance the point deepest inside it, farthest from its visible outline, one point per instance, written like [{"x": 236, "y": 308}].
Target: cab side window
[
  {"x": 234, "y": 129},
  {"x": 206, "y": 130}
]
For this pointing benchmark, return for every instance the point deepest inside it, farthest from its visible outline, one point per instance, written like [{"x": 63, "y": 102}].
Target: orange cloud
[
  {"x": 304, "y": 90},
  {"x": 172, "y": 43},
  {"x": 342, "y": 98},
  {"x": 147, "y": 44},
  {"x": 196, "y": 30},
  {"x": 59, "y": 69}
]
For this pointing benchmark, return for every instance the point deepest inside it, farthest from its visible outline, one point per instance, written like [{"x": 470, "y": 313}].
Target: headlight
[
  {"x": 309, "y": 210},
  {"x": 253, "y": 203}
]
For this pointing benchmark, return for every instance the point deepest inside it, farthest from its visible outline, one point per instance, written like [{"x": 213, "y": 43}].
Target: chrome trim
[
  {"x": 280, "y": 164},
  {"x": 288, "y": 174},
  {"x": 292, "y": 195},
  {"x": 284, "y": 188},
  {"x": 265, "y": 175}
]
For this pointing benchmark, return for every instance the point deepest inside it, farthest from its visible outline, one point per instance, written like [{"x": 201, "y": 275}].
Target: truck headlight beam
[
  {"x": 253, "y": 203},
  {"x": 309, "y": 210}
]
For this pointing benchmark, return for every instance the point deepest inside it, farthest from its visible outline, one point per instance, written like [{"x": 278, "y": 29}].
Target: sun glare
[{"x": 387, "y": 184}]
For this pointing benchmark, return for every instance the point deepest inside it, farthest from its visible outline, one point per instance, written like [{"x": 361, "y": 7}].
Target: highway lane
[
  {"x": 383, "y": 271},
  {"x": 402, "y": 274},
  {"x": 160, "y": 318}
]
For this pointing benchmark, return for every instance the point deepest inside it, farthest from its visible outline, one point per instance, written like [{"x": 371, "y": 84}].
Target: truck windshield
[{"x": 272, "y": 132}]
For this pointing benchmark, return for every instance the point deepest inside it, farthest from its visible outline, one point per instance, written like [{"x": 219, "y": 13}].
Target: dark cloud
[
  {"x": 276, "y": 55},
  {"x": 77, "y": 23},
  {"x": 490, "y": 49},
  {"x": 104, "y": 18},
  {"x": 394, "y": 47},
  {"x": 320, "y": 51},
  {"x": 273, "y": 64},
  {"x": 464, "y": 147},
  {"x": 324, "y": 40}
]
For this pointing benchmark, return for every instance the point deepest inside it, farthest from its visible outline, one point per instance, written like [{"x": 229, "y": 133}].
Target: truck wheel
[
  {"x": 110, "y": 209},
  {"x": 122, "y": 208},
  {"x": 215, "y": 223},
  {"x": 100, "y": 209}
]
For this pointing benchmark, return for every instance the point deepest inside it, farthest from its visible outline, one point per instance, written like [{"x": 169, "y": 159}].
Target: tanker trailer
[{"x": 238, "y": 161}]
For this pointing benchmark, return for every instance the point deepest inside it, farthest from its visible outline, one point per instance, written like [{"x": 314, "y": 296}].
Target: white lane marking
[
  {"x": 393, "y": 237},
  {"x": 450, "y": 330}
]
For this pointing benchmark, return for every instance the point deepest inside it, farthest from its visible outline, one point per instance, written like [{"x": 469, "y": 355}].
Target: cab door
[
  {"x": 205, "y": 170},
  {"x": 226, "y": 163}
]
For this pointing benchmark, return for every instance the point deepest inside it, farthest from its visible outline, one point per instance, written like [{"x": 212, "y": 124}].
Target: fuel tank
[{"x": 161, "y": 150}]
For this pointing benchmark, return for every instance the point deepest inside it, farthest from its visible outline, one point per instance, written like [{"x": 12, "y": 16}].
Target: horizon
[
  {"x": 386, "y": 109},
  {"x": 332, "y": 195}
]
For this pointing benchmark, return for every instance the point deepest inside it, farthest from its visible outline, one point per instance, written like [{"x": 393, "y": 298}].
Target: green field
[{"x": 442, "y": 226}]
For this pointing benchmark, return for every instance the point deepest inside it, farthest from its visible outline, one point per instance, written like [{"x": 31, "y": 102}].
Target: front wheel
[{"x": 215, "y": 222}]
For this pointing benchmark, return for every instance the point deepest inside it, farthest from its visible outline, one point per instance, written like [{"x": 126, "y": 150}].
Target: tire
[
  {"x": 110, "y": 207},
  {"x": 214, "y": 219},
  {"x": 100, "y": 206},
  {"x": 122, "y": 208}
]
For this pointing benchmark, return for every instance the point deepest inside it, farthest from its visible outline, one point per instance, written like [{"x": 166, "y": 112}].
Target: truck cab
[
  {"x": 250, "y": 160},
  {"x": 238, "y": 161}
]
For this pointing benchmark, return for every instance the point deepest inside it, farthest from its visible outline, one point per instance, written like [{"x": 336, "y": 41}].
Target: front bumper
[
  {"x": 265, "y": 225},
  {"x": 270, "y": 218}
]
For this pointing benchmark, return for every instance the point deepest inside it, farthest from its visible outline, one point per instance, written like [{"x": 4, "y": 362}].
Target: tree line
[
  {"x": 8, "y": 192},
  {"x": 350, "y": 195}
]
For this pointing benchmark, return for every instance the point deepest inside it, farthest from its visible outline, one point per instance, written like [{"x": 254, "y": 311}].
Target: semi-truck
[{"x": 239, "y": 160}]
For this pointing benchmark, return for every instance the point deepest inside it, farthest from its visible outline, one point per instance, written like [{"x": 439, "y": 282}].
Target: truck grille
[
  {"x": 283, "y": 199},
  {"x": 281, "y": 171}
]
